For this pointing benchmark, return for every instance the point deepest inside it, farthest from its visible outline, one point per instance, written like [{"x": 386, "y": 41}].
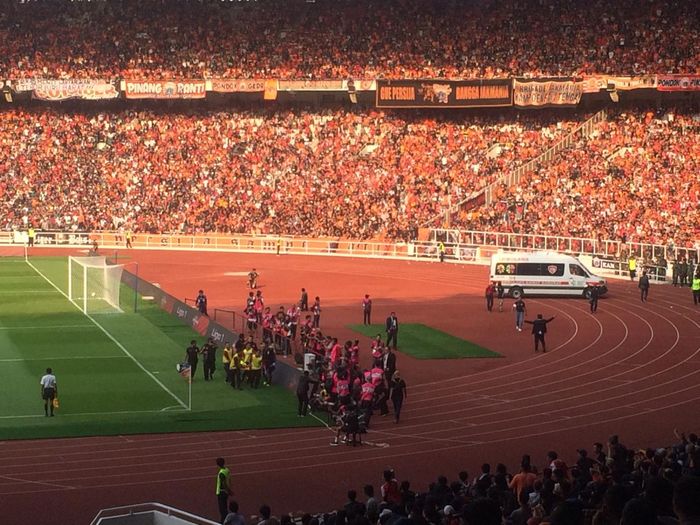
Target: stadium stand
[
  {"x": 634, "y": 179},
  {"x": 608, "y": 484},
  {"x": 320, "y": 173},
  {"x": 362, "y": 39},
  {"x": 349, "y": 174}
]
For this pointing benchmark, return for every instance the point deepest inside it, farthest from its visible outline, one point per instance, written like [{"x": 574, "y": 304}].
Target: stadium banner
[
  {"x": 44, "y": 238},
  {"x": 310, "y": 85},
  {"x": 538, "y": 93},
  {"x": 678, "y": 82},
  {"x": 596, "y": 83},
  {"x": 361, "y": 85},
  {"x": 50, "y": 89},
  {"x": 444, "y": 93},
  {"x": 270, "y": 92},
  {"x": 223, "y": 85},
  {"x": 164, "y": 89}
]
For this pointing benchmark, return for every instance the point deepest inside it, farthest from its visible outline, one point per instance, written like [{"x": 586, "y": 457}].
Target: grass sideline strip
[{"x": 423, "y": 342}]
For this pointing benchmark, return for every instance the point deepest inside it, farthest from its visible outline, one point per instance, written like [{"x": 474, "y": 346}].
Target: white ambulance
[{"x": 543, "y": 273}]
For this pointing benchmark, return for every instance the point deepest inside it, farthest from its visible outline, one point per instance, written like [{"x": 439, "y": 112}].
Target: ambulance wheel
[{"x": 516, "y": 292}]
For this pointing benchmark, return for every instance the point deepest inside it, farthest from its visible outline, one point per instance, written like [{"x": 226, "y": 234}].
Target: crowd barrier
[{"x": 463, "y": 247}]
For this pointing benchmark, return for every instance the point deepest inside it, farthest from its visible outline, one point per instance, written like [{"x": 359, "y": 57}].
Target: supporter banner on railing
[
  {"x": 164, "y": 89},
  {"x": 596, "y": 83},
  {"x": 49, "y": 89},
  {"x": 223, "y": 85},
  {"x": 310, "y": 85},
  {"x": 537, "y": 93},
  {"x": 678, "y": 82},
  {"x": 361, "y": 85},
  {"x": 443, "y": 93}
]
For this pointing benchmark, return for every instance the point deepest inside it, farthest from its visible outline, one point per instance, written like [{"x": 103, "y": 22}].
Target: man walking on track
[
  {"x": 49, "y": 391},
  {"x": 304, "y": 300},
  {"x": 500, "y": 293},
  {"x": 223, "y": 487},
  {"x": 595, "y": 293},
  {"x": 366, "y": 310},
  {"x": 490, "y": 290},
  {"x": 644, "y": 286},
  {"x": 539, "y": 328},
  {"x": 252, "y": 279},
  {"x": 520, "y": 309},
  {"x": 392, "y": 330}
]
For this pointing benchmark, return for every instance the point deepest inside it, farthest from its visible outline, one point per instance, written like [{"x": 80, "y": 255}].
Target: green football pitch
[
  {"x": 424, "y": 342},
  {"x": 115, "y": 371}
]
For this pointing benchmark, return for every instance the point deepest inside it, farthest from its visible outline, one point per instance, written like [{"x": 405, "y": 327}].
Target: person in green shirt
[
  {"x": 695, "y": 287},
  {"x": 255, "y": 369},
  {"x": 223, "y": 487}
]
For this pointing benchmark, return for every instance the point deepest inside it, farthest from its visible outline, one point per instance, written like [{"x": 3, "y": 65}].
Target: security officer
[
  {"x": 695, "y": 287},
  {"x": 223, "y": 487}
]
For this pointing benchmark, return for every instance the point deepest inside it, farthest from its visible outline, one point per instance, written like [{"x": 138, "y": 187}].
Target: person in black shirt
[
  {"x": 644, "y": 285},
  {"x": 539, "y": 328},
  {"x": 201, "y": 302},
  {"x": 305, "y": 381},
  {"x": 304, "y": 301},
  {"x": 397, "y": 393},
  {"x": 595, "y": 293},
  {"x": 209, "y": 356},
  {"x": 192, "y": 356}
]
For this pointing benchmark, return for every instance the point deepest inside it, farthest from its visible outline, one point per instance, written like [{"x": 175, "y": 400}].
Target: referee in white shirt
[{"x": 49, "y": 391}]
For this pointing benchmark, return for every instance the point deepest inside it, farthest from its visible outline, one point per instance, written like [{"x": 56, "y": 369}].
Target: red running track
[{"x": 631, "y": 369}]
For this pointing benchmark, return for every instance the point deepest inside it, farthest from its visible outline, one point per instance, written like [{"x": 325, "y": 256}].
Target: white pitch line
[
  {"x": 19, "y": 359},
  {"x": 47, "y": 327},
  {"x": 22, "y": 292},
  {"x": 114, "y": 340},
  {"x": 28, "y": 416}
]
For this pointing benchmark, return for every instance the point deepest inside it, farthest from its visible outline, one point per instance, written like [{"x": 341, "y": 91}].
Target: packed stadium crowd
[
  {"x": 611, "y": 484},
  {"x": 360, "y": 39},
  {"x": 345, "y": 174},
  {"x": 320, "y": 173},
  {"x": 635, "y": 179}
]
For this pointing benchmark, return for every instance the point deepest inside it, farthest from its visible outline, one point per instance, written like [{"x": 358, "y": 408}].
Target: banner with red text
[
  {"x": 223, "y": 85},
  {"x": 51, "y": 89},
  {"x": 310, "y": 85},
  {"x": 678, "y": 82},
  {"x": 596, "y": 83},
  {"x": 164, "y": 89},
  {"x": 537, "y": 93},
  {"x": 443, "y": 93}
]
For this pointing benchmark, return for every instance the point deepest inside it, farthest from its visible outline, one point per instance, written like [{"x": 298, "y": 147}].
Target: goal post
[{"x": 94, "y": 285}]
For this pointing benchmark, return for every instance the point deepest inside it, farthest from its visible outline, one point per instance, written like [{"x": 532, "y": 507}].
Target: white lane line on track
[{"x": 619, "y": 418}]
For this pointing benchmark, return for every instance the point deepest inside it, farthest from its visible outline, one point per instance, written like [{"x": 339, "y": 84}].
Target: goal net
[{"x": 94, "y": 285}]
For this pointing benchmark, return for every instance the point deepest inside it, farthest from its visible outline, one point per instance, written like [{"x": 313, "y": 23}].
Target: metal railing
[
  {"x": 112, "y": 514},
  {"x": 577, "y": 245}
]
